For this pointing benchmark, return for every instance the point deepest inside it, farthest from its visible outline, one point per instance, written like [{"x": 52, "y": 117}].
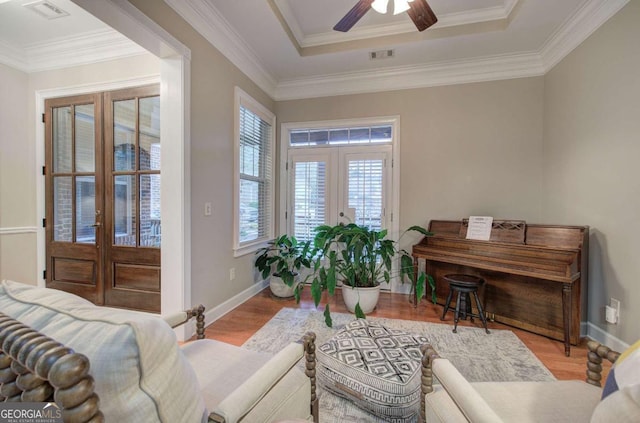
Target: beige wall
[
  {"x": 591, "y": 171},
  {"x": 213, "y": 79},
  {"x": 17, "y": 198},
  {"x": 473, "y": 149}
]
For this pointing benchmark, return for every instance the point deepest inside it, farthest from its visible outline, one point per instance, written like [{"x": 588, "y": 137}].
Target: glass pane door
[
  {"x": 338, "y": 184},
  {"x": 365, "y": 191},
  {"x": 136, "y": 172},
  {"x": 73, "y": 152},
  {"x": 73, "y": 187},
  {"x": 366, "y": 178},
  {"x": 310, "y": 194},
  {"x": 133, "y": 195}
]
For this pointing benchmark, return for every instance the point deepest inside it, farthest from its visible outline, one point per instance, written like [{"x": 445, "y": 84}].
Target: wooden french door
[{"x": 103, "y": 222}]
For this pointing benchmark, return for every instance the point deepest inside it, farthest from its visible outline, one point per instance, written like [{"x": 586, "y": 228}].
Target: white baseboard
[
  {"x": 215, "y": 313},
  {"x": 605, "y": 338}
]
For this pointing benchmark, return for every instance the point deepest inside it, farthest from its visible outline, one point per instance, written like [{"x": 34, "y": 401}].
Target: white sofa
[{"x": 140, "y": 372}]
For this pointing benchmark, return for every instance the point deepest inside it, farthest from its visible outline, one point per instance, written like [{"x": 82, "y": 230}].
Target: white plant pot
[
  {"x": 368, "y": 298},
  {"x": 281, "y": 289}
]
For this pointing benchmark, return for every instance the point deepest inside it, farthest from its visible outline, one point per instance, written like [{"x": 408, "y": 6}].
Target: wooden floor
[{"x": 241, "y": 323}]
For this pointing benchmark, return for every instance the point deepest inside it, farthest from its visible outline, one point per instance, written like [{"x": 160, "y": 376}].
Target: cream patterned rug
[{"x": 499, "y": 356}]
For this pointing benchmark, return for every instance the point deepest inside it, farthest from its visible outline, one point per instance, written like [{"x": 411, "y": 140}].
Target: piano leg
[
  {"x": 415, "y": 282},
  {"x": 566, "y": 316}
]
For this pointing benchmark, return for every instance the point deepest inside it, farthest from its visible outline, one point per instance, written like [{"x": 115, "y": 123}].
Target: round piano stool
[{"x": 464, "y": 285}]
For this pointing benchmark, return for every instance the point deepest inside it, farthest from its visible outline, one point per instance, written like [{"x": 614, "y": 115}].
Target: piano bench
[{"x": 464, "y": 285}]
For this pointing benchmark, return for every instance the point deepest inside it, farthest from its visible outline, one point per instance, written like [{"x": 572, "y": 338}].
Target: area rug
[{"x": 499, "y": 356}]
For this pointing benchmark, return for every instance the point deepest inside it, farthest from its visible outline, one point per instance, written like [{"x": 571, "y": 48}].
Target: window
[
  {"x": 339, "y": 171},
  {"x": 254, "y": 181},
  {"x": 341, "y": 136}
]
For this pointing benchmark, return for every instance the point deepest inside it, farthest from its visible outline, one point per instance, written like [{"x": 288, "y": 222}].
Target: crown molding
[
  {"x": 574, "y": 31},
  {"x": 13, "y": 57},
  {"x": 290, "y": 19},
  {"x": 92, "y": 47},
  {"x": 82, "y": 49},
  {"x": 407, "y": 77},
  {"x": 490, "y": 14},
  {"x": 207, "y": 20}
]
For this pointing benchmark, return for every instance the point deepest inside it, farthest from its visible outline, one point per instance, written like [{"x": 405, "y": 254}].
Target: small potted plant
[
  {"x": 361, "y": 258},
  {"x": 281, "y": 261}
]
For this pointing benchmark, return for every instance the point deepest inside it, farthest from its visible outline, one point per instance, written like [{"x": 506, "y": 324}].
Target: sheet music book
[{"x": 479, "y": 228}]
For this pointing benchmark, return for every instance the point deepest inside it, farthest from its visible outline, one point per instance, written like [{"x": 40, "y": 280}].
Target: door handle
[{"x": 96, "y": 225}]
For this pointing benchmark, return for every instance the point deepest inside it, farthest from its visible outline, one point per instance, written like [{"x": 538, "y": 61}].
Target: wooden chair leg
[
  {"x": 481, "y": 311},
  {"x": 456, "y": 314},
  {"x": 446, "y": 303}
]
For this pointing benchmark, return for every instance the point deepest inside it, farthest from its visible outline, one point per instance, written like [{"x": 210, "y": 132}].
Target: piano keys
[{"x": 536, "y": 275}]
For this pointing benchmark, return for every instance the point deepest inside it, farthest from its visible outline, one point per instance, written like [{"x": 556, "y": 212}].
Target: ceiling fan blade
[
  {"x": 353, "y": 16},
  {"x": 421, "y": 14}
]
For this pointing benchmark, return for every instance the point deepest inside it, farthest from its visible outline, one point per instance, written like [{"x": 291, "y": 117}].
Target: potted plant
[
  {"x": 281, "y": 260},
  {"x": 361, "y": 258}
]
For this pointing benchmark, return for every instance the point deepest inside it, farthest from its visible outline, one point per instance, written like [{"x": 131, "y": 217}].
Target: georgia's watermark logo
[{"x": 30, "y": 412}]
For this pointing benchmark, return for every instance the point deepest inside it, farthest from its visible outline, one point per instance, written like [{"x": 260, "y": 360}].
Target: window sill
[{"x": 249, "y": 248}]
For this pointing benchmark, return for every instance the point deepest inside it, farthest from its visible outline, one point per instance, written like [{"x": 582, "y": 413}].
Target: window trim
[{"x": 241, "y": 98}]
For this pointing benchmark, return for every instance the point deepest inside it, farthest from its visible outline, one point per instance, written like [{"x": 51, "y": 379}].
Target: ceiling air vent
[
  {"x": 381, "y": 54},
  {"x": 46, "y": 9}
]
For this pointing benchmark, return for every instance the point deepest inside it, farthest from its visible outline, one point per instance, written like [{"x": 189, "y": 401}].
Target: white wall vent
[
  {"x": 381, "y": 54},
  {"x": 46, "y": 9}
]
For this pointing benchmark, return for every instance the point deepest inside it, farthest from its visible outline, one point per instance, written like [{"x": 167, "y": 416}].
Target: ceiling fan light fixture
[
  {"x": 419, "y": 12},
  {"x": 400, "y": 6},
  {"x": 380, "y": 6}
]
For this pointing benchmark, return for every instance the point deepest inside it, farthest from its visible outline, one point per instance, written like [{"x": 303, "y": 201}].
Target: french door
[
  {"x": 103, "y": 223},
  {"x": 338, "y": 185}
]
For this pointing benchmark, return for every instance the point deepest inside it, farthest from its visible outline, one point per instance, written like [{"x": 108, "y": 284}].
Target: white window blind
[
  {"x": 254, "y": 196},
  {"x": 309, "y": 198},
  {"x": 366, "y": 184}
]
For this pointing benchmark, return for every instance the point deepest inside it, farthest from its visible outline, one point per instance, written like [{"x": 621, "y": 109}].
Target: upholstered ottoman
[{"x": 376, "y": 367}]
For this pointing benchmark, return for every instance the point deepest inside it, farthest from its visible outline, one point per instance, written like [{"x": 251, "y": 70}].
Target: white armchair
[
  {"x": 100, "y": 364},
  {"x": 457, "y": 400},
  {"x": 243, "y": 385}
]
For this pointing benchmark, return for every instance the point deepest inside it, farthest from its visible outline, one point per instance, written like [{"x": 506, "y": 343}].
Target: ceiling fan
[{"x": 418, "y": 10}]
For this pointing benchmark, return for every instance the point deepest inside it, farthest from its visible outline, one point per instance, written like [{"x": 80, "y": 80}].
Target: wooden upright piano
[{"x": 535, "y": 275}]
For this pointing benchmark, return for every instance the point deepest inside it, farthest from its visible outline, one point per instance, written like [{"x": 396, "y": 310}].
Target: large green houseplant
[
  {"x": 359, "y": 256},
  {"x": 282, "y": 260}
]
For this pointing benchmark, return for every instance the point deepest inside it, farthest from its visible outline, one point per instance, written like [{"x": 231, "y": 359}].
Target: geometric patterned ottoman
[{"x": 375, "y": 367}]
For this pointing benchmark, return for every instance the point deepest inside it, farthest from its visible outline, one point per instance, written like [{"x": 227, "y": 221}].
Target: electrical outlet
[
  {"x": 207, "y": 209},
  {"x": 615, "y": 305},
  {"x": 610, "y": 315},
  {"x": 232, "y": 273}
]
